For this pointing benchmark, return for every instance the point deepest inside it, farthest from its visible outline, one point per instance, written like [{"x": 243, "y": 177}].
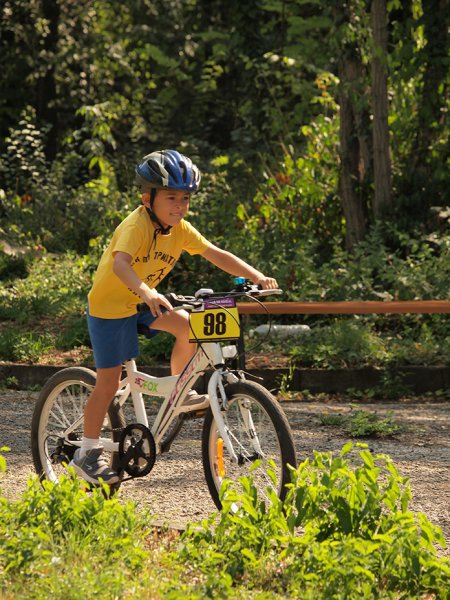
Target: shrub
[
  {"x": 155, "y": 348},
  {"x": 56, "y": 285},
  {"x": 342, "y": 344},
  {"x": 24, "y": 166},
  {"x": 349, "y": 342},
  {"x": 361, "y": 423},
  {"x": 68, "y": 542},
  {"x": 344, "y": 531},
  {"x": 12, "y": 266},
  {"x": 16, "y": 346}
]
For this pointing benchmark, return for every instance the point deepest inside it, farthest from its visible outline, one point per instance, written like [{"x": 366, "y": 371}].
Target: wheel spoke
[
  {"x": 58, "y": 420},
  {"x": 257, "y": 430}
]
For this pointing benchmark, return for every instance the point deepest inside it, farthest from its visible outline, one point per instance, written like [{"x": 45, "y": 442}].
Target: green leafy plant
[
  {"x": 55, "y": 285},
  {"x": 24, "y": 164},
  {"x": 344, "y": 343},
  {"x": 2, "y": 459},
  {"x": 11, "y": 382},
  {"x": 24, "y": 347},
  {"x": 361, "y": 423},
  {"x": 344, "y": 531},
  {"x": 285, "y": 383},
  {"x": 361, "y": 514},
  {"x": 155, "y": 348},
  {"x": 49, "y": 535},
  {"x": 392, "y": 385},
  {"x": 237, "y": 548},
  {"x": 332, "y": 419},
  {"x": 12, "y": 266}
]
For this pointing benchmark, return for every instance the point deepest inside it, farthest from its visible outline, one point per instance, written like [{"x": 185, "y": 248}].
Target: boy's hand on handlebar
[
  {"x": 267, "y": 283},
  {"x": 157, "y": 303}
]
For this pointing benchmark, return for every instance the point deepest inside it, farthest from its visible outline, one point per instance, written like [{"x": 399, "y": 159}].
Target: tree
[
  {"x": 354, "y": 138},
  {"x": 434, "y": 89},
  {"x": 46, "y": 95},
  {"x": 382, "y": 198}
]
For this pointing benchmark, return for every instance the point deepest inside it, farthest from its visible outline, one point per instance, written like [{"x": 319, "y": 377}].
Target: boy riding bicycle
[{"x": 143, "y": 250}]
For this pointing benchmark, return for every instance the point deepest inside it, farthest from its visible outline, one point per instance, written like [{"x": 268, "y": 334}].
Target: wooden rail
[
  {"x": 355, "y": 307},
  {"x": 350, "y": 307}
]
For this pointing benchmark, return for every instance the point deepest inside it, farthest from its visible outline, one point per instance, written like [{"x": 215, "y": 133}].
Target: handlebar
[{"x": 250, "y": 290}]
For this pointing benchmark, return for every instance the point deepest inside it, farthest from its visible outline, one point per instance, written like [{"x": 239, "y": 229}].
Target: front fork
[{"x": 215, "y": 385}]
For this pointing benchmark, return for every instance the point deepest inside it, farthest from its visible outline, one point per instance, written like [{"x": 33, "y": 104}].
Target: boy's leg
[
  {"x": 97, "y": 405},
  {"x": 88, "y": 461},
  {"x": 177, "y": 323}
]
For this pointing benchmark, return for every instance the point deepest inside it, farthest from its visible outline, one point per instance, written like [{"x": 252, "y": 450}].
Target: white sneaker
[
  {"x": 194, "y": 401},
  {"x": 93, "y": 467}
]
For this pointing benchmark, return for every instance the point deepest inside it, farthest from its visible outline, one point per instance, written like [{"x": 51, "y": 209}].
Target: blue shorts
[{"x": 116, "y": 340}]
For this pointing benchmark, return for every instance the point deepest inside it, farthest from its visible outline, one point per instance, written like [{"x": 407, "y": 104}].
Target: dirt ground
[{"x": 176, "y": 492}]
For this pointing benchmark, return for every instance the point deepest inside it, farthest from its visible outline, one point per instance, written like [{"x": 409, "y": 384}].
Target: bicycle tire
[
  {"x": 60, "y": 403},
  {"x": 274, "y": 435}
]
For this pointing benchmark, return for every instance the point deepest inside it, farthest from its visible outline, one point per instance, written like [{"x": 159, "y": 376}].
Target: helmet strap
[
  {"x": 152, "y": 215},
  {"x": 154, "y": 218}
]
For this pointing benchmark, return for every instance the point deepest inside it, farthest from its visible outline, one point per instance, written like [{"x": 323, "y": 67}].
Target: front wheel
[
  {"x": 258, "y": 429},
  {"x": 58, "y": 421}
]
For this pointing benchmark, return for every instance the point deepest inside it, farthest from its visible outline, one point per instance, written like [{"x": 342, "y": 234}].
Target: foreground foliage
[
  {"x": 63, "y": 542},
  {"x": 345, "y": 532}
]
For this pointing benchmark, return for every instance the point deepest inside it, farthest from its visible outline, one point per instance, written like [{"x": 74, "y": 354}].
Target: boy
[{"x": 143, "y": 250}]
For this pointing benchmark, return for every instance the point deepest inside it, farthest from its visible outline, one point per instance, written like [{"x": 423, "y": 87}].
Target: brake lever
[{"x": 268, "y": 292}]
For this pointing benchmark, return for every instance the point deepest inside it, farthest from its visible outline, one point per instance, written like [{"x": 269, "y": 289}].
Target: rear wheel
[
  {"x": 258, "y": 429},
  {"x": 58, "y": 421}
]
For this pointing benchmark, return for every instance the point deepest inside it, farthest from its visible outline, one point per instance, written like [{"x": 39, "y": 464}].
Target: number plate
[{"x": 219, "y": 321}]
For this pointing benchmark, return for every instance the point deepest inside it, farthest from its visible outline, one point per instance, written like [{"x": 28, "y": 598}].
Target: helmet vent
[{"x": 169, "y": 169}]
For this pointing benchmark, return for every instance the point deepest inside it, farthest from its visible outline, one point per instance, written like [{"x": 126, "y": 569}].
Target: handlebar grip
[
  {"x": 171, "y": 297},
  {"x": 142, "y": 307}
]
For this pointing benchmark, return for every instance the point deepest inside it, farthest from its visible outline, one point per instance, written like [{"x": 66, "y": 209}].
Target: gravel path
[{"x": 176, "y": 492}]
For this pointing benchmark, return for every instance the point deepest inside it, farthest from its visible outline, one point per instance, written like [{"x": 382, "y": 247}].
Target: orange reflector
[{"x": 220, "y": 465}]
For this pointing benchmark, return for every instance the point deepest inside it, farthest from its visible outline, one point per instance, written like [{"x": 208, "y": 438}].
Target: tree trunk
[
  {"x": 435, "y": 87},
  {"x": 352, "y": 169},
  {"x": 382, "y": 199},
  {"x": 46, "y": 86}
]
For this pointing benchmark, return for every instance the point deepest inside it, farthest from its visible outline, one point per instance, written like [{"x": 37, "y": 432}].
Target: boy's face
[{"x": 170, "y": 206}]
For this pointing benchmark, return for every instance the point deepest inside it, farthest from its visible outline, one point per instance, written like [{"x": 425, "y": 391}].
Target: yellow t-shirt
[{"x": 154, "y": 256}]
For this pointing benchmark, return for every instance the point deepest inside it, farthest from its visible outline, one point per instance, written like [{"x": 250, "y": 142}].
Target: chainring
[{"x": 137, "y": 450}]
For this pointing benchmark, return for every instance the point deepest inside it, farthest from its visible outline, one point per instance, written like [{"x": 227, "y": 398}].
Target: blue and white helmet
[{"x": 167, "y": 169}]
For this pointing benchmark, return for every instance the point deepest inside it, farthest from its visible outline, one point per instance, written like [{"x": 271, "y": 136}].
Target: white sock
[{"x": 88, "y": 444}]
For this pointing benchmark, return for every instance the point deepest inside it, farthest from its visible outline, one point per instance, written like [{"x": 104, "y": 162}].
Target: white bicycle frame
[
  {"x": 208, "y": 356},
  {"x": 174, "y": 389}
]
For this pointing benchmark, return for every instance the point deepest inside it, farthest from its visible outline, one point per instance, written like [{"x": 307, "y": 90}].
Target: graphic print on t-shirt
[{"x": 153, "y": 255}]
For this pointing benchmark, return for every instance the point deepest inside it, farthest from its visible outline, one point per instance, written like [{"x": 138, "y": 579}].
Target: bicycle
[{"x": 244, "y": 427}]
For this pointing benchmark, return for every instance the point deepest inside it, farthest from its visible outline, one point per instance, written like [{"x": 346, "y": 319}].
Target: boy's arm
[
  {"x": 124, "y": 271},
  {"x": 234, "y": 265}
]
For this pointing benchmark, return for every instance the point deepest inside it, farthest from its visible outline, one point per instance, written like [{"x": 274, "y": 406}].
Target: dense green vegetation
[
  {"x": 322, "y": 132},
  {"x": 345, "y": 531},
  {"x": 321, "y": 129}
]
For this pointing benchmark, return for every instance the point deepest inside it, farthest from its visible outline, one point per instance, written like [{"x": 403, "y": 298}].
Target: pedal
[{"x": 195, "y": 414}]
